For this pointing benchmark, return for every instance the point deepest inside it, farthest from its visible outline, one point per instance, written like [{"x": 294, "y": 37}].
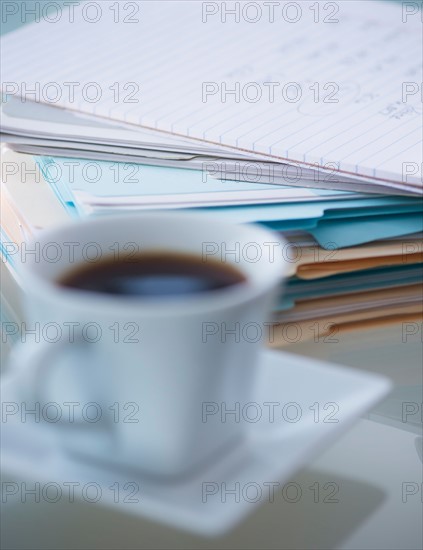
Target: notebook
[{"x": 335, "y": 86}]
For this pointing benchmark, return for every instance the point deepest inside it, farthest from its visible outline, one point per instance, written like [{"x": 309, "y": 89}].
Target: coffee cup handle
[{"x": 29, "y": 365}]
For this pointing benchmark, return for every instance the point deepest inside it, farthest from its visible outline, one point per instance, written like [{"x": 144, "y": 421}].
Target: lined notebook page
[{"x": 329, "y": 77}]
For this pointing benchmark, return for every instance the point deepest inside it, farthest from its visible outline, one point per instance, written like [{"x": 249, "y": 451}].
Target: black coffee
[{"x": 153, "y": 274}]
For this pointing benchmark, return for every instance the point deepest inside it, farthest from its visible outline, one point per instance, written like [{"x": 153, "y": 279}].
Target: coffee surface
[{"x": 153, "y": 275}]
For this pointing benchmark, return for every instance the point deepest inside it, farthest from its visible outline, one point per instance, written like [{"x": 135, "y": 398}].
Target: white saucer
[{"x": 271, "y": 453}]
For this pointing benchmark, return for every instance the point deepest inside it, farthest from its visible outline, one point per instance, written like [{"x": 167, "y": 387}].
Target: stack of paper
[
  {"x": 332, "y": 285},
  {"x": 310, "y": 127}
]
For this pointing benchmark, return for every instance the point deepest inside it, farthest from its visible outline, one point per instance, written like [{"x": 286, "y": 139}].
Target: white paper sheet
[{"x": 169, "y": 70}]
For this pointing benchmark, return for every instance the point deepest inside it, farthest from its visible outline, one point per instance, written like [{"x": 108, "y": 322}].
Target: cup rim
[{"x": 209, "y": 300}]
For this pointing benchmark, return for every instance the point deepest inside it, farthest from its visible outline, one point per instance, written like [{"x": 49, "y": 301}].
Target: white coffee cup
[{"x": 144, "y": 369}]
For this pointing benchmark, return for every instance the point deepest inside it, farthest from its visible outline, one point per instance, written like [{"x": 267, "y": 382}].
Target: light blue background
[{"x": 15, "y": 21}]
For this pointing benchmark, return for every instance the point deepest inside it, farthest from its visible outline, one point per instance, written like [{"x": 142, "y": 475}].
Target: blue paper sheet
[{"x": 346, "y": 221}]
